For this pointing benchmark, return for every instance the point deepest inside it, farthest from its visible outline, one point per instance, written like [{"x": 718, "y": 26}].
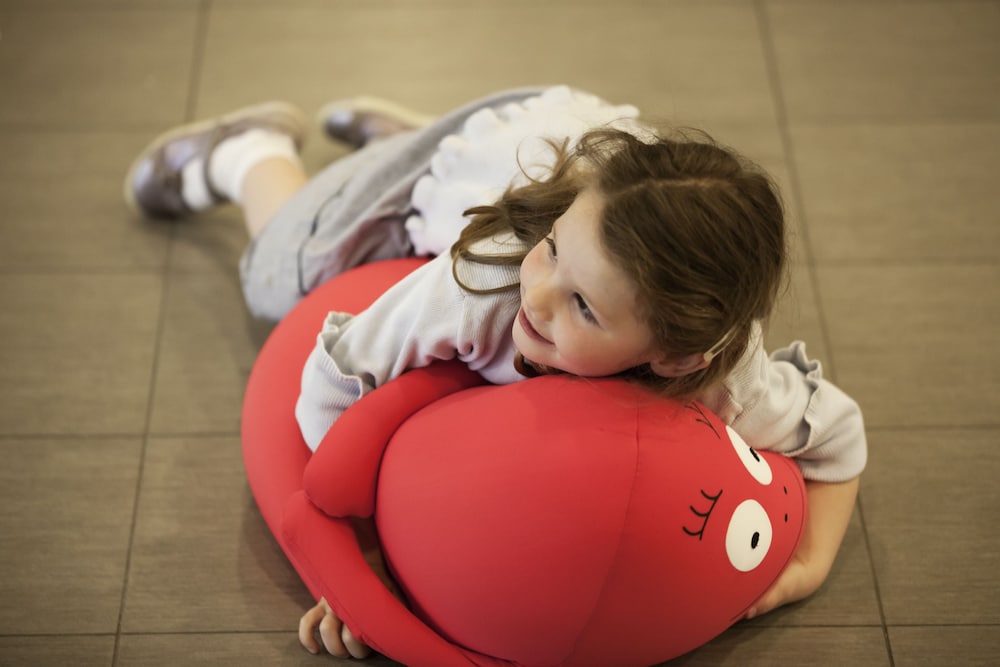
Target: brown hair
[{"x": 698, "y": 229}]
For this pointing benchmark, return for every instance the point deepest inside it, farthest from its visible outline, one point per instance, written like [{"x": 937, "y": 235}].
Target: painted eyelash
[{"x": 704, "y": 516}]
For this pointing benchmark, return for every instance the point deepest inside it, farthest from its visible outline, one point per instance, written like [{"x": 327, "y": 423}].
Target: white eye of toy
[
  {"x": 754, "y": 462},
  {"x": 748, "y": 537}
]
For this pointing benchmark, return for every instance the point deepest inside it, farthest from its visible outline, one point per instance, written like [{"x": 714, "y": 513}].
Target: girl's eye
[
  {"x": 552, "y": 246},
  {"x": 585, "y": 309}
]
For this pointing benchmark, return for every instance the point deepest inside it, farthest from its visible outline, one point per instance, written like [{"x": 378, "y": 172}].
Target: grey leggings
[{"x": 350, "y": 213}]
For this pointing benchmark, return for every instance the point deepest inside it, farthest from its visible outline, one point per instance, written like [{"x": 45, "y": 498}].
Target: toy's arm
[
  {"x": 376, "y": 617},
  {"x": 341, "y": 476},
  {"x": 424, "y": 318},
  {"x": 830, "y": 505}
]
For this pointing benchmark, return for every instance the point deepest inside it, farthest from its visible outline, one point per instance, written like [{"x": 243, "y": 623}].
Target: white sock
[
  {"x": 194, "y": 190},
  {"x": 230, "y": 162}
]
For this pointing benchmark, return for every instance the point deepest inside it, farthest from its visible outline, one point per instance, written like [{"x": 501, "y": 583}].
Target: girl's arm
[
  {"x": 830, "y": 505},
  {"x": 423, "y": 318},
  {"x": 782, "y": 403}
]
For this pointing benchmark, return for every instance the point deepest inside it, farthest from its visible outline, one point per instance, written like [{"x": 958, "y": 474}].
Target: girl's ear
[{"x": 679, "y": 366}]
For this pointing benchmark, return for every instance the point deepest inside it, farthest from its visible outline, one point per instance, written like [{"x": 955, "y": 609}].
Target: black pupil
[
  {"x": 754, "y": 540},
  {"x": 756, "y": 457}
]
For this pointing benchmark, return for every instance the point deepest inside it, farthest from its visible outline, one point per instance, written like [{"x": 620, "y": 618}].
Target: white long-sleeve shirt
[
  {"x": 779, "y": 402},
  {"x": 425, "y": 317}
]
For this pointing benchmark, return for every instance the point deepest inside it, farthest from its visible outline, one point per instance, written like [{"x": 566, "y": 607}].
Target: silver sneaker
[
  {"x": 153, "y": 182},
  {"x": 359, "y": 120}
]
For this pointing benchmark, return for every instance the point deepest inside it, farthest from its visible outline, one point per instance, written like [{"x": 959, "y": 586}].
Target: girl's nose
[{"x": 537, "y": 300}]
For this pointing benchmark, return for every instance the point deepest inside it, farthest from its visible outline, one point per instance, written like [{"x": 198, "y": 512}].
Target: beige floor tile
[
  {"x": 906, "y": 192},
  {"x": 933, "y": 60},
  {"x": 916, "y": 345},
  {"x": 208, "y": 348},
  {"x": 202, "y": 557},
  {"x": 210, "y": 242},
  {"x": 98, "y": 5},
  {"x": 765, "y": 647},
  {"x": 77, "y": 353},
  {"x": 930, "y": 501},
  {"x": 87, "y": 651},
  {"x": 279, "y": 649},
  {"x": 87, "y": 226},
  {"x": 697, "y": 62},
  {"x": 65, "y": 525},
  {"x": 127, "y": 68},
  {"x": 960, "y": 646}
]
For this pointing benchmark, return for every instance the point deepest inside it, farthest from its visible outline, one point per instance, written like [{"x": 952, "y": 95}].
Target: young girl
[{"x": 614, "y": 252}]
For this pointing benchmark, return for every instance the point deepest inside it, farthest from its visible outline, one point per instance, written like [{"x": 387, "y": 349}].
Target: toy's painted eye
[
  {"x": 754, "y": 462},
  {"x": 748, "y": 537}
]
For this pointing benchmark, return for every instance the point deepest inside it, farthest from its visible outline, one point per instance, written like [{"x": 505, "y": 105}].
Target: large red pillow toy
[{"x": 557, "y": 521}]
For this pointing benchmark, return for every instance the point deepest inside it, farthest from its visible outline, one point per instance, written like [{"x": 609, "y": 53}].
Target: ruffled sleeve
[
  {"x": 501, "y": 146},
  {"x": 782, "y": 403}
]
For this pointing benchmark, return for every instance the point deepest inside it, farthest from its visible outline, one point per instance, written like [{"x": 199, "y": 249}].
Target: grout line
[
  {"x": 794, "y": 184},
  {"x": 197, "y": 59},
  {"x": 788, "y": 148},
  {"x": 878, "y": 592},
  {"x": 781, "y": 117},
  {"x": 201, "y": 31},
  {"x": 154, "y": 372}
]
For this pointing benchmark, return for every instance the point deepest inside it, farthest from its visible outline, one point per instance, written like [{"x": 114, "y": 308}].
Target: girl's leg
[
  {"x": 249, "y": 157},
  {"x": 266, "y": 186}
]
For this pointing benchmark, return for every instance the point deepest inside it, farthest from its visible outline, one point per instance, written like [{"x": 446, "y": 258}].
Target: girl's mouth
[{"x": 522, "y": 319}]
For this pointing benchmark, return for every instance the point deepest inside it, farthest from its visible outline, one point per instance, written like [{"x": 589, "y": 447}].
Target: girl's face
[{"x": 578, "y": 309}]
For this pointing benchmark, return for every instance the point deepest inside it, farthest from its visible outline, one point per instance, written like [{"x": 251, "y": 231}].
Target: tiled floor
[{"x": 127, "y": 533}]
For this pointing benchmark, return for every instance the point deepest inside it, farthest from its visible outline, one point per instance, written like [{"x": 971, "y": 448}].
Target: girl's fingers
[
  {"x": 307, "y": 628},
  {"x": 337, "y": 639},
  {"x": 354, "y": 646},
  {"x": 329, "y": 632}
]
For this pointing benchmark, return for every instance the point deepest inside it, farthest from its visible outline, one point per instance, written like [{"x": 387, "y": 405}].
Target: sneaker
[
  {"x": 360, "y": 120},
  {"x": 153, "y": 183}
]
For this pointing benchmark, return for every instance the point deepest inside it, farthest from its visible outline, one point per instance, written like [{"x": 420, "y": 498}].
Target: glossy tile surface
[
  {"x": 78, "y": 351},
  {"x": 67, "y": 521},
  {"x": 57, "y": 75},
  {"x": 128, "y": 534},
  {"x": 883, "y": 61},
  {"x": 202, "y": 558}
]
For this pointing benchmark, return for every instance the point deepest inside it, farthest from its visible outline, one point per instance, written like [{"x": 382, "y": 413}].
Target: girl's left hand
[{"x": 337, "y": 638}]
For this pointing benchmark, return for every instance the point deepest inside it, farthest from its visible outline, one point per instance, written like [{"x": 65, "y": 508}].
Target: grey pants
[{"x": 351, "y": 213}]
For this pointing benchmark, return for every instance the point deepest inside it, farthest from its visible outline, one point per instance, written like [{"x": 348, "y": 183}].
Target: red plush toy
[{"x": 556, "y": 521}]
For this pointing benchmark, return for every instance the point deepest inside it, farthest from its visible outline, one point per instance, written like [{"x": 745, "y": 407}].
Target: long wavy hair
[{"x": 697, "y": 228}]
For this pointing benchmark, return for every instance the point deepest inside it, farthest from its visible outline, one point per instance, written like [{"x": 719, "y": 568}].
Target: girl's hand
[
  {"x": 337, "y": 639},
  {"x": 830, "y": 507},
  {"x": 795, "y": 583}
]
